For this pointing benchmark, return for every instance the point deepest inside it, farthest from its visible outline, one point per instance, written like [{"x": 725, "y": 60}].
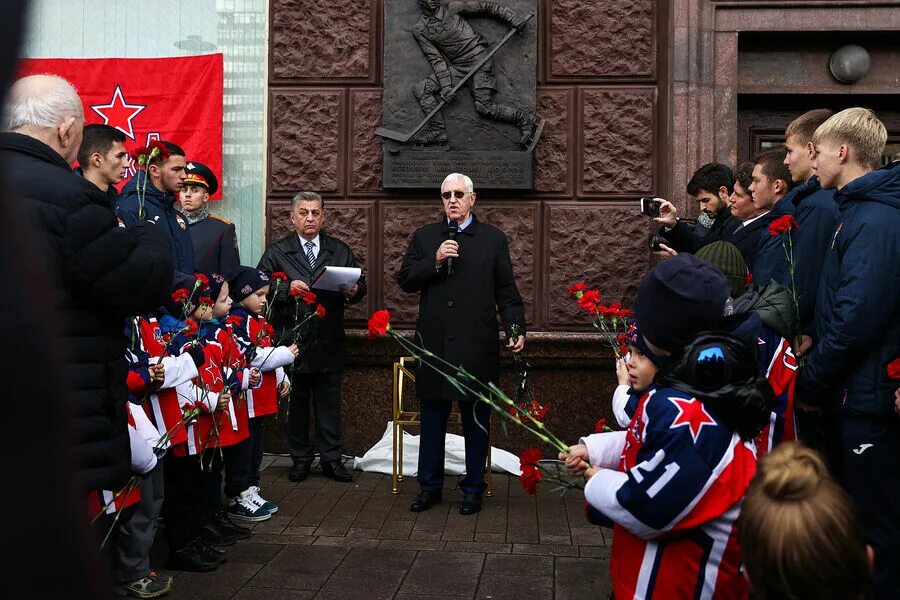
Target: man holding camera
[{"x": 710, "y": 186}]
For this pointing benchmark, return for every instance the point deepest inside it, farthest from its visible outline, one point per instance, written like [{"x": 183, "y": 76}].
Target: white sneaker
[
  {"x": 271, "y": 507},
  {"x": 243, "y": 508}
]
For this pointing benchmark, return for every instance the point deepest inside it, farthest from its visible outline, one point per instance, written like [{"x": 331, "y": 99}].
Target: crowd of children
[{"x": 205, "y": 371}]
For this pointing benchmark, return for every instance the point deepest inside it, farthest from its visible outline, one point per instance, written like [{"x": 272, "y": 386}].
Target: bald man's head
[{"x": 47, "y": 108}]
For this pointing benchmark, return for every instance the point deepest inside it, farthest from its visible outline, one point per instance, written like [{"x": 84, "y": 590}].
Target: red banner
[{"x": 175, "y": 99}]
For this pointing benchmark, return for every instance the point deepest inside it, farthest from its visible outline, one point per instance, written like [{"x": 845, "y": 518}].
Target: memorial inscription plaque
[{"x": 459, "y": 93}]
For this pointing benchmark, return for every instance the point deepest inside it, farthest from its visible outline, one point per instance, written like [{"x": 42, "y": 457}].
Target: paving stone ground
[{"x": 334, "y": 541}]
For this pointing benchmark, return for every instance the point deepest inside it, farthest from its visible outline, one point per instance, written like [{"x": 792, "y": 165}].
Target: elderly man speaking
[{"x": 464, "y": 275}]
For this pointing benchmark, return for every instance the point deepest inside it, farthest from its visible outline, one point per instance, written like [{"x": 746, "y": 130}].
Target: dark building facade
[{"x": 636, "y": 95}]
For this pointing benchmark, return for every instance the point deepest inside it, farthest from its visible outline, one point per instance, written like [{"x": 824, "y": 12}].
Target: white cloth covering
[{"x": 379, "y": 458}]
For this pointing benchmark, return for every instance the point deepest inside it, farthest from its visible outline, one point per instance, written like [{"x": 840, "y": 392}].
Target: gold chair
[{"x": 404, "y": 418}]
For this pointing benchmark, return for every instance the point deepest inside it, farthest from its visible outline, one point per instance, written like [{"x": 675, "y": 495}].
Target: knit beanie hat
[
  {"x": 216, "y": 283},
  {"x": 243, "y": 281},
  {"x": 727, "y": 258},
  {"x": 174, "y": 304},
  {"x": 634, "y": 337},
  {"x": 678, "y": 299}
]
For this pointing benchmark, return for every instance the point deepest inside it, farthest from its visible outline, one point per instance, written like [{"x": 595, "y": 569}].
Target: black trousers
[
  {"x": 183, "y": 503},
  {"x": 434, "y": 414},
  {"x": 323, "y": 391},
  {"x": 871, "y": 454},
  {"x": 237, "y": 467},
  {"x": 256, "y": 449}
]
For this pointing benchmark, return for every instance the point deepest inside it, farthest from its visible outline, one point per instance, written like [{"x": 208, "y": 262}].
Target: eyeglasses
[{"x": 459, "y": 194}]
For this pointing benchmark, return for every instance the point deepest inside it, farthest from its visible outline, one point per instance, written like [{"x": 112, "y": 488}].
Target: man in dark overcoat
[
  {"x": 463, "y": 284},
  {"x": 302, "y": 255}
]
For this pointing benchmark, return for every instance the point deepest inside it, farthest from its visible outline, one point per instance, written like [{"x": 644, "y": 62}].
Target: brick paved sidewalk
[{"x": 347, "y": 541}]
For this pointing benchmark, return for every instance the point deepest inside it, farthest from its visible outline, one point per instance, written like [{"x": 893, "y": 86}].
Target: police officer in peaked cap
[{"x": 214, "y": 238}]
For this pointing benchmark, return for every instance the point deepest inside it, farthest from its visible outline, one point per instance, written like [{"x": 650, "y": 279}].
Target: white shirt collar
[
  {"x": 465, "y": 223},
  {"x": 748, "y": 221},
  {"x": 315, "y": 241}
]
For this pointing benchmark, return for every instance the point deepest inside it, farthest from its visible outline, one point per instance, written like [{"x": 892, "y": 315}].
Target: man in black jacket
[
  {"x": 711, "y": 185},
  {"x": 101, "y": 272},
  {"x": 102, "y": 158},
  {"x": 463, "y": 283},
  {"x": 163, "y": 176},
  {"x": 302, "y": 256}
]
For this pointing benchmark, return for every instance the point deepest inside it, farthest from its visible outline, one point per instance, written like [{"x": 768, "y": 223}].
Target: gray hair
[
  {"x": 307, "y": 197},
  {"x": 41, "y": 101},
  {"x": 467, "y": 183}
]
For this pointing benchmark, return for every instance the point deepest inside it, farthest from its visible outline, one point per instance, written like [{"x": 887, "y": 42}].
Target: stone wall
[{"x": 603, "y": 90}]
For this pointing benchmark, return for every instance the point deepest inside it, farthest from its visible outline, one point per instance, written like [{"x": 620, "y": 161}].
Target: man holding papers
[{"x": 303, "y": 256}]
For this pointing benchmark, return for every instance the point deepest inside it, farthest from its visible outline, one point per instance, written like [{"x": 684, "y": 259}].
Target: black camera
[
  {"x": 654, "y": 243},
  {"x": 650, "y": 206}
]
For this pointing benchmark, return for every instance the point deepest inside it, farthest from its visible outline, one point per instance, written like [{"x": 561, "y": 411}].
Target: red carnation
[
  {"x": 297, "y": 292},
  {"x": 578, "y": 287},
  {"x": 167, "y": 337},
  {"x": 234, "y": 320},
  {"x": 530, "y": 478},
  {"x": 379, "y": 323},
  {"x": 893, "y": 369},
  {"x": 320, "y": 311},
  {"x": 309, "y": 298},
  {"x": 600, "y": 426},
  {"x": 161, "y": 149},
  {"x": 180, "y": 295},
  {"x": 782, "y": 224},
  {"x": 206, "y": 301},
  {"x": 141, "y": 152},
  {"x": 201, "y": 281},
  {"x": 279, "y": 276},
  {"x": 530, "y": 456},
  {"x": 748, "y": 280},
  {"x": 589, "y": 301},
  {"x": 190, "y": 328}
]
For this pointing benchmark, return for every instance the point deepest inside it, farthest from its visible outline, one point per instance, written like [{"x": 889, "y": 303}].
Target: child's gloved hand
[
  {"x": 621, "y": 372},
  {"x": 224, "y": 399}
]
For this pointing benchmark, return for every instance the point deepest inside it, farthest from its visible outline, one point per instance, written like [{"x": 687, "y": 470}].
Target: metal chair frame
[{"x": 405, "y": 418}]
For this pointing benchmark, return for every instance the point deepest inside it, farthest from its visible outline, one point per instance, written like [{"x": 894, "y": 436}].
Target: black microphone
[{"x": 452, "y": 230}]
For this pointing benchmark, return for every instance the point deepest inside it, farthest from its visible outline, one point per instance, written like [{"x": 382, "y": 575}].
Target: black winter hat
[
  {"x": 243, "y": 281},
  {"x": 678, "y": 299},
  {"x": 634, "y": 337},
  {"x": 181, "y": 281},
  {"x": 216, "y": 283}
]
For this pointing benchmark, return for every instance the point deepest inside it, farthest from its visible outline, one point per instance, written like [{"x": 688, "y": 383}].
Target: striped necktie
[{"x": 309, "y": 253}]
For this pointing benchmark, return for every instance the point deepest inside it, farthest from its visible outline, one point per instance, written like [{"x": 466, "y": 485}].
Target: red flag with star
[{"x": 177, "y": 99}]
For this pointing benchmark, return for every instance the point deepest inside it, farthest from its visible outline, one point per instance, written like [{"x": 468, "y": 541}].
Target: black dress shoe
[
  {"x": 191, "y": 559},
  {"x": 209, "y": 553},
  {"x": 335, "y": 469},
  {"x": 471, "y": 504},
  {"x": 299, "y": 472},
  {"x": 424, "y": 501},
  {"x": 214, "y": 534},
  {"x": 224, "y": 521}
]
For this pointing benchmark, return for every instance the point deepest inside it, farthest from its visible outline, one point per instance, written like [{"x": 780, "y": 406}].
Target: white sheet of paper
[{"x": 335, "y": 279}]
